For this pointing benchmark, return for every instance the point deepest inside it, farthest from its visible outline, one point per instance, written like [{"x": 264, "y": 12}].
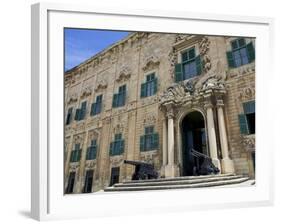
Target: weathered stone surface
[{"x": 128, "y": 62}]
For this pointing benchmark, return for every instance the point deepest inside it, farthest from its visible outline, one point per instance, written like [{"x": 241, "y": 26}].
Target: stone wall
[{"x": 128, "y": 62}]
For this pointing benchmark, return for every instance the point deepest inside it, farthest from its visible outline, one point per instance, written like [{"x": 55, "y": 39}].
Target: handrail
[{"x": 207, "y": 167}]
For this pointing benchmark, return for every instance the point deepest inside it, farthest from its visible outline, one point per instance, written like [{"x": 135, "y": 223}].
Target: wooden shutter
[
  {"x": 230, "y": 59},
  {"x": 77, "y": 114},
  {"x": 198, "y": 65},
  {"x": 111, "y": 148},
  {"x": 155, "y": 140},
  {"x": 251, "y": 51},
  {"x": 115, "y": 100},
  {"x": 155, "y": 80},
  {"x": 243, "y": 124},
  {"x": 121, "y": 149},
  {"x": 83, "y": 110},
  {"x": 143, "y": 90},
  {"x": 249, "y": 107},
  {"x": 92, "y": 109},
  {"x": 142, "y": 142},
  {"x": 178, "y": 72}
]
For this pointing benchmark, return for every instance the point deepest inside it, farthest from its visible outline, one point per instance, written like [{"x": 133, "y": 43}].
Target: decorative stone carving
[
  {"x": 242, "y": 71},
  {"x": 78, "y": 139},
  {"x": 90, "y": 164},
  {"x": 124, "y": 75},
  {"x": 249, "y": 142},
  {"x": 213, "y": 83},
  {"x": 181, "y": 37},
  {"x": 102, "y": 84},
  {"x": 246, "y": 94},
  {"x": 119, "y": 128},
  {"x": 204, "y": 47},
  {"x": 150, "y": 63},
  {"x": 73, "y": 98},
  {"x": 87, "y": 91},
  {"x": 150, "y": 119},
  {"x": 116, "y": 161},
  {"x": 93, "y": 134}
]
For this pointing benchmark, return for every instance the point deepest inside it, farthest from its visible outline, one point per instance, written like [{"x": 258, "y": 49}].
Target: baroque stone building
[{"x": 153, "y": 97}]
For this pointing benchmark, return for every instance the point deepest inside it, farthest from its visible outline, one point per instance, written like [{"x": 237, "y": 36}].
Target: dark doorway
[
  {"x": 114, "y": 175},
  {"x": 88, "y": 181},
  {"x": 193, "y": 137},
  {"x": 70, "y": 184}
]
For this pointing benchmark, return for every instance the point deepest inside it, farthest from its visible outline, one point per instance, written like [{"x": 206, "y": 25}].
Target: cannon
[
  {"x": 207, "y": 167},
  {"x": 143, "y": 170}
]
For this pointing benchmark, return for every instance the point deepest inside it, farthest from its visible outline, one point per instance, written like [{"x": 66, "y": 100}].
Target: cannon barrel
[{"x": 135, "y": 162}]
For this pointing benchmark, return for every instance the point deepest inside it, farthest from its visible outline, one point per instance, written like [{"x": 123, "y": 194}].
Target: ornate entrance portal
[{"x": 193, "y": 137}]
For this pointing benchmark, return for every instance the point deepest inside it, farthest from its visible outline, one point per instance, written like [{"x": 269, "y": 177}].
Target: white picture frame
[{"x": 48, "y": 201}]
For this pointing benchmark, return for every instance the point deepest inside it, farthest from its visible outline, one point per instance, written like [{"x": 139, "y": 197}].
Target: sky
[{"x": 81, "y": 44}]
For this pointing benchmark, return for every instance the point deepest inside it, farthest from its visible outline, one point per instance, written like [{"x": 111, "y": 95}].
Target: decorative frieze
[
  {"x": 150, "y": 63},
  {"x": 249, "y": 142},
  {"x": 124, "y": 75}
]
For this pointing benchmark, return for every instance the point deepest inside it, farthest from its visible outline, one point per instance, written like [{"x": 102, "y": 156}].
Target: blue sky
[{"x": 81, "y": 44}]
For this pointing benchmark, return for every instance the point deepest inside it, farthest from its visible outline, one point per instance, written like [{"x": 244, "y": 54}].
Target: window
[
  {"x": 115, "y": 171},
  {"x": 88, "y": 181},
  {"x": 149, "y": 88},
  {"x": 70, "y": 184},
  {"x": 120, "y": 97},
  {"x": 150, "y": 140},
  {"x": 76, "y": 153},
  {"x": 69, "y": 116},
  {"x": 117, "y": 146},
  {"x": 96, "y": 107},
  {"x": 241, "y": 53},
  {"x": 81, "y": 112},
  {"x": 92, "y": 150},
  {"x": 191, "y": 66},
  {"x": 247, "y": 120}
]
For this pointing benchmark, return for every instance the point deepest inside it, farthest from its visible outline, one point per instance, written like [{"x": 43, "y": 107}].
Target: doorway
[
  {"x": 193, "y": 137},
  {"x": 114, "y": 175}
]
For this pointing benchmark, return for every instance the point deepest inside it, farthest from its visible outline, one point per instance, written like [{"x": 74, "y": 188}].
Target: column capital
[
  {"x": 220, "y": 103},
  {"x": 208, "y": 104}
]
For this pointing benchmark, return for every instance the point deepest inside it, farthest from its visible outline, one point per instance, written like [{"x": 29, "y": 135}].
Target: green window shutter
[
  {"x": 71, "y": 156},
  {"x": 111, "y": 148},
  {"x": 142, "y": 143},
  {"x": 77, "y": 114},
  {"x": 155, "y": 140},
  {"x": 93, "y": 109},
  {"x": 115, "y": 100},
  {"x": 249, "y": 107},
  {"x": 155, "y": 80},
  {"x": 83, "y": 110},
  {"x": 251, "y": 51},
  {"x": 88, "y": 155},
  {"x": 143, "y": 90},
  {"x": 121, "y": 150},
  {"x": 79, "y": 155},
  {"x": 230, "y": 59},
  {"x": 198, "y": 65},
  {"x": 178, "y": 72},
  {"x": 243, "y": 124}
]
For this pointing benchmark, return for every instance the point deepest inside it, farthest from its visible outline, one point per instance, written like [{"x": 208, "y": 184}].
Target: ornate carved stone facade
[{"x": 218, "y": 94}]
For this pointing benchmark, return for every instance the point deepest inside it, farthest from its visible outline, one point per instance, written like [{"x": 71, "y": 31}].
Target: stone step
[
  {"x": 181, "y": 186},
  {"x": 178, "y": 182},
  {"x": 178, "y": 178}
]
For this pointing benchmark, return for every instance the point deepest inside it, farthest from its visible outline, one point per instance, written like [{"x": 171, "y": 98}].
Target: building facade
[{"x": 153, "y": 97}]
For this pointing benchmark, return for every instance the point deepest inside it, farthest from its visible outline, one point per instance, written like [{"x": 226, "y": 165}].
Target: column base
[
  {"x": 170, "y": 171},
  {"x": 217, "y": 164},
  {"x": 227, "y": 166}
]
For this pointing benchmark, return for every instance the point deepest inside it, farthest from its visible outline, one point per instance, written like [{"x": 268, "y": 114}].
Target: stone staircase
[{"x": 179, "y": 183}]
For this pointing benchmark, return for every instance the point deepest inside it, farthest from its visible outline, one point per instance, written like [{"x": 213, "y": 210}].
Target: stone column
[
  {"x": 170, "y": 169},
  {"x": 82, "y": 164},
  {"x": 226, "y": 162},
  {"x": 164, "y": 142},
  {"x": 212, "y": 135}
]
